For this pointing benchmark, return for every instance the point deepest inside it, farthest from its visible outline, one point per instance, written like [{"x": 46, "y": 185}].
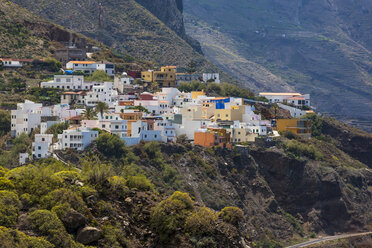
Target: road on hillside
[{"x": 328, "y": 238}]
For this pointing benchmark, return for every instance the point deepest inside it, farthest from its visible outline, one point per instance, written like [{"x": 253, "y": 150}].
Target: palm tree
[
  {"x": 89, "y": 113},
  {"x": 101, "y": 108}
]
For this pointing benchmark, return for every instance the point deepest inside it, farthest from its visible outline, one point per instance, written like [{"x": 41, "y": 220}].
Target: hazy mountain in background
[{"x": 318, "y": 47}]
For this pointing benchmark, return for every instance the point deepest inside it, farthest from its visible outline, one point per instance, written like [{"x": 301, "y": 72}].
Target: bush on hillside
[
  {"x": 10, "y": 238},
  {"x": 9, "y": 208},
  {"x": 99, "y": 76},
  {"x": 6, "y": 184},
  {"x": 46, "y": 223},
  {"x": 36, "y": 180},
  {"x": 139, "y": 182},
  {"x": 232, "y": 215},
  {"x": 4, "y": 122},
  {"x": 63, "y": 196},
  {"x": 170, "y": 214},
  {"x": 298, "y": 149},
  {"x": 57, "y": 129},
  {"x": 201, "y": 222},
  {"x": 97, "y": 173},
  {"x": 112, "y": 146}
]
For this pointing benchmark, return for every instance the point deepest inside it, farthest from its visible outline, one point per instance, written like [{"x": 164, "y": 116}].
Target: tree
[
  {"x": 89, "y": 114},
  {"x": 4, "y": 122},
  {"x": 111, "y": 145},
  {"x": 191, "y": 67},
  {"x": 102, "y": 107}
]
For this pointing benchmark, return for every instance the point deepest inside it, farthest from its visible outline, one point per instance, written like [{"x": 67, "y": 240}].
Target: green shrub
[
  {"x": 139, "y": 182},
  {"x": 9, "y": 208},
  {"x": 35, "y": 180},
  {"x": 67, "y": 176},
  {"x": 232, "y": 215},
  {"x": 201, "y": 222},
  {"x": 112, "y": 146},
  {"x": 118, "y": 185},
  {"x": 301, "y": 149},
  {"x": 99, "y": 76},
  {"x": 57, "y": 129},
  {"x": 6, "y": 184},
  {"x": 10, "y": 238},
  {"x": 104, "y": 208},
  {"x": 46, "y": 223},
  {"x": 64, "y": 196},
  {"x": 4, "y": 122},
  {"x": 97, "y": 173},
  {"x": 289, "y": 134},
  {"x": 170, "y": 214},
  {"x": 3, "y": 171}
]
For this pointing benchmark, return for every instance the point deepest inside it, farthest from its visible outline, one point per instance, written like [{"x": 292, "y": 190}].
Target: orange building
[
  {"x": 131, "y": 117},
  {"x": 212, "y": 137},
  {"x": 300, "y": 127}
]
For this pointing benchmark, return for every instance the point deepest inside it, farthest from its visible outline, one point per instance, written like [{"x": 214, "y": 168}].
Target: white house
[
  {"x": 120, "y": 82},
  {"x": 296, "y": 99},
  {"x": 295, "y": 112},
  {"x": 27, "y": 117},
  {"x": 23, "y": 158},
  {"x": 77, "y": 139},
  {"x": 14, "y": 63},
  {"x": 107, "y": 67},
  {"x": 101, "y": 93},
  {"x": 168, "y": 131},
  {"x": 89, "y": 67},
  {"x": 69, "y": 83},
  {"x": 211, "y": 76},
  {"x": 41, "y": 147}
]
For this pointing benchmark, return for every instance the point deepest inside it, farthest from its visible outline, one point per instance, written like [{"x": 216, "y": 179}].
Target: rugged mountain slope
[
  {"x": 171, "y": 13},
  {"x": 319, "y": 47},
  {"x": 126, "y": 26}
]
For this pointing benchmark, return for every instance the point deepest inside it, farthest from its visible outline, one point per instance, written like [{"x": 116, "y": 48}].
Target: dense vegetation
[{"x": 44, "y": 198}]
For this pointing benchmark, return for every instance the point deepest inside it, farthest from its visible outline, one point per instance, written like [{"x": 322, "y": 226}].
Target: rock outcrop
[
  {"x": 88, "y": 235},
  {"x": 171, "y": 13}
]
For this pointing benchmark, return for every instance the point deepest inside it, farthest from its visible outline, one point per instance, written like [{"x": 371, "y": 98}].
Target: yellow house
[
  {"x": 233, "y": 114},
  {"x": 196, "y": 94},
  {"x": 300, "y": 127},
  {"x": 147, "y": 76},
  {"x": 242, "y": 135},
  {"x": 166, "y": 77}
]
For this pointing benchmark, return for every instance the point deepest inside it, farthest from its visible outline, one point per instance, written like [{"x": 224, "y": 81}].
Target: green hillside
[
  {"x": 126, "y": 26},
  {"x": 317, "y": 47}
]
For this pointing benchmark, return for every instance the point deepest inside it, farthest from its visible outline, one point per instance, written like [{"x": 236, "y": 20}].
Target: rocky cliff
[{"x": 170, "y": 12}]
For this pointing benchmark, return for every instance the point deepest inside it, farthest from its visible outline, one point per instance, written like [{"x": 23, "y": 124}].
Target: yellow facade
[
  {"x": 243, "y": 135},
  {"x": 147, "y": 76},
  {"x": 297, "y": 126},
  {"x": 196, "y": 94},
  {"x": 166, "y": 77},
  {"x": 233, "y": 114}
]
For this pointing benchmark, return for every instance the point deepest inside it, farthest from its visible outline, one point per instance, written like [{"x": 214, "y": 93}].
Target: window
[
  {"x": 39, "y": 155},
  {"x": 42, "y": 139},
  {"x": 39, "y": 147},
  {"x": 156, "y": 136}
]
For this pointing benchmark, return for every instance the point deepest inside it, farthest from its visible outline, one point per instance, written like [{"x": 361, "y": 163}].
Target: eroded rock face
[
  {"x": 73, "y": 220},
  {"x": 88, "y": 235},
  {"x": 171, "y": 13}
]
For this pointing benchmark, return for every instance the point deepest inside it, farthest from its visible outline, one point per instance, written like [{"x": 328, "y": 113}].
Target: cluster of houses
[{"x": 137, "y": 116}]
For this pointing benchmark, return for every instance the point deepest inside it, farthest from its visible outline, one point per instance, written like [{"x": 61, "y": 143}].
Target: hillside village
[{"x": 126, "y": 108}]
